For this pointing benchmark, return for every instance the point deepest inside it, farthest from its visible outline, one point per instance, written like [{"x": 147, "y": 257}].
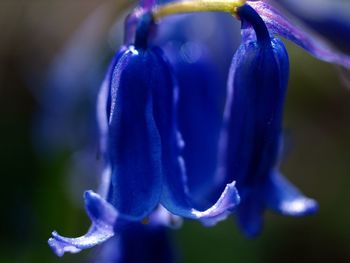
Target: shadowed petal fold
[{"x": 175, "y": 195}]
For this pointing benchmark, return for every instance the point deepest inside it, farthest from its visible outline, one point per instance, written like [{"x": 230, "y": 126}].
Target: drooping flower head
[
  {"x": 200, "y": 56},
  {"x": 143, "y": 148},
  {"x": 142, "y": 145},
  {"x": 250, "y": 145}
]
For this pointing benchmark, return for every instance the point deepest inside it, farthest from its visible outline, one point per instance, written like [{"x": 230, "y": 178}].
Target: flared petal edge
[
  {"x": 223, "y": 207},
  {"x": 103, "y": 217},
  {"x": 284, "y": 198}
]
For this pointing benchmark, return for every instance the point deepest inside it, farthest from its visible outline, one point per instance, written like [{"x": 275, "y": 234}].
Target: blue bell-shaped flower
[
  {"x": 251, "y": 142},
  {"x": 200, "y": 56},
  {"x": 142, "y": 149}
]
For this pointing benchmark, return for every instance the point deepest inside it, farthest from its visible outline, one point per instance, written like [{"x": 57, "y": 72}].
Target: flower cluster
[{"x": 173, "y": 148}]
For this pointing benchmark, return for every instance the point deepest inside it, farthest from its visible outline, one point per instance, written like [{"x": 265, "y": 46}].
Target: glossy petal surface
[
  {"x": 251, "y": 142},
  {"x": 255, "y": 114},
  {"x": 134, "y": 143},
  {"x": 104, "y": 104}
]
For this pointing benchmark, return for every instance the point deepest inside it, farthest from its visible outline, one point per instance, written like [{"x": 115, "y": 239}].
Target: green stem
[{"x": 228, "y": 6}]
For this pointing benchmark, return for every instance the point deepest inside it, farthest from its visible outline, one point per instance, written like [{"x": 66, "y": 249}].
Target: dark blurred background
[{"x": 36, "y": 198}]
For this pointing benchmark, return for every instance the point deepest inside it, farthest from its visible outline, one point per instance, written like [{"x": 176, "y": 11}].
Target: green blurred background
[{"x": 35, "y": 198}]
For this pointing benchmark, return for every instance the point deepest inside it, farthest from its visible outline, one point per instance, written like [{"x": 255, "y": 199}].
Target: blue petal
[
  {"x": 200, "y": 57},
  {"x": 103, "y": 109},
  {"x": 254, "y": 131},
  {"x": 175, "y": 197},
  {"x": 249, "y": 215},
  {"x": 200, "y": 109},
  {"x": 254, "y": 113},
  {"x": 286, "y": 199},
  {"x": 330, "y": 19},
  {"x": 103, "y": 217},
  {"x": 104, "y": 103},
  {"x": 134, "y": 143},
  {"x": 278, "y": 24},
  {"x": 250, "y": 140}
]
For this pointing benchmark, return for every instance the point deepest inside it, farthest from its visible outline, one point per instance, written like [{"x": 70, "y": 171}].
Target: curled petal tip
[
  {"x": 59, "y": 247},
  {"x": 227, "y": 202},
  {"x": 94, "y": 236},
  {"x": 300, "y": 207},
  {"x": 284, "y": 198},
  {"x": 99, "y": 210},
  {"x": 103, "y": 217}
]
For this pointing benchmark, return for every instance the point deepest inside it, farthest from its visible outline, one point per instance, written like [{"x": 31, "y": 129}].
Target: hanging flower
[
  {"x": 252, "y": 140},
  {"x": 141, "y": 141},
  {"x": 142, "y": 149}
]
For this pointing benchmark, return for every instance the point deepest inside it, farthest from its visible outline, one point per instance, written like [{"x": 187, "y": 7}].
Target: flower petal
[
  {"x": 103, "y": 217},
  {"x": 104, "y": 103},
  {"x": 175, "y": 196},
  {"x": 330, "y": 19},
  {"x": 279, "y": 24},
  {"x": 253, "y": 118},
  {"x": 134, "y": 143},
  {"x": 249, "y": 215},
  {"x": 286, "y": 199},
  {"x": 200, "y": 56},
  {"x": 176, "y": 199}
]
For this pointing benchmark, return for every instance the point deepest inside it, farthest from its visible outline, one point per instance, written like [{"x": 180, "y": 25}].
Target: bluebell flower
[
  {"x": 67, "y": 91},
  {"x": 142, "y": 114},
  {"x": 72, "y": 85},
  {"x": 200, "y": 56},
  {"x": 251, "y": 141},
  {"x": 143, "y": 145}
]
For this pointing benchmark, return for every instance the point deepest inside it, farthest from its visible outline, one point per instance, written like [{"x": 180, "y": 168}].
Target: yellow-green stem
[{"x": 228, "y": 6}]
